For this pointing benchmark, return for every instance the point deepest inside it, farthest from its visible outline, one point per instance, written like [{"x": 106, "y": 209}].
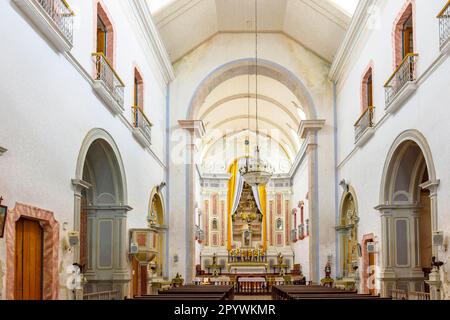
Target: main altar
[{"x": 246, "y": 229}]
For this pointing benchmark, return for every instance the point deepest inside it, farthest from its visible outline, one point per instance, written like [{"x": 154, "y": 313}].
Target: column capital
[
  {"x": 431, "y": 185},
  {"x": 195, "y": 127},
  {"x": 308, "y": 127},
  {"x": 79, "y": 185}
]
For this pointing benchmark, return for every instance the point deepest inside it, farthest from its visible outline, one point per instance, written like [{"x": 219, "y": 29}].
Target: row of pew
[
  {"x": 192, "y": 292},
  {"x": 313, "y": 292}
]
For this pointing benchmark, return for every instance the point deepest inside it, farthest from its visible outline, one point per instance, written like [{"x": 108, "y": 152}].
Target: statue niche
[{"x": 247, "y": 221}]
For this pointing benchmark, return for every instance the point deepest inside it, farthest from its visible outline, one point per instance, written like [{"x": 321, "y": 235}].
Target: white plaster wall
[
  {"x": 300, "y": 192},
  {"x": 427, "y": 111},
  {"x": 224, "y": 48},
  {"x": 47, "y": 107}
]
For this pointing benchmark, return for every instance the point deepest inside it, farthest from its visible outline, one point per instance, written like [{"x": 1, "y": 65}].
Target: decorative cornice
[
  {"x": 354, "y": 32},
  {"x": 307, "y": 126},
  {"x": 142, "y": 11},
  {"x": 81, "y": 184},
  {"x": 384, "y": 207},
  {"x": 195, "y": 126}
]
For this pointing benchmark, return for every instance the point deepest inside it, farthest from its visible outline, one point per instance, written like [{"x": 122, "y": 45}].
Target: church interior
[{"x": 224, "y": 150}]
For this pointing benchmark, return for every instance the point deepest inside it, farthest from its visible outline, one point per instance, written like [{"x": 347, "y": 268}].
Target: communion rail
[{"x": 103, "y": 295}]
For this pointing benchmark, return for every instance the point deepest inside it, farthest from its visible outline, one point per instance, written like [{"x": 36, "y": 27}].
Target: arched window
[
  {"x": 215, "y": 224},
  {"x": 404, "y": 33},
  {"x": 105, "y": 34},
  {"x": 367, "y": 90},
  {"x": 279, "y": 224}
]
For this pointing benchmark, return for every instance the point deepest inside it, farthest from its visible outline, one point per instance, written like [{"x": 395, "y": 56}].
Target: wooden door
[
  {"x": 28, "y": 260},
  {"x": 135, "y": 272},
  {"x": 408, "y": 41},
  {"x": 371, "y": 273},
  {"x": 83, "y": 232}
]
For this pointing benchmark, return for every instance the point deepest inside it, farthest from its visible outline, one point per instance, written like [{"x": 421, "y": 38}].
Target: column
[
  {"x": 308, "y": 130},
  {"x": 78, "y": 186},
  {"x": 196, "y": 130}
]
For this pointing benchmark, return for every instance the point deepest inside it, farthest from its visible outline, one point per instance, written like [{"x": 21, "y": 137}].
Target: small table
[
  {"x": 280, "y": 267},
  {"x": 215, "y": 267}
]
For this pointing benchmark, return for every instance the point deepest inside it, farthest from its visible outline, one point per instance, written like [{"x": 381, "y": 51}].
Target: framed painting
[{"x": 3, "y": 214}]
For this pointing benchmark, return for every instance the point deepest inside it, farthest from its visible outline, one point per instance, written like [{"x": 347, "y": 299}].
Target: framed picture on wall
[{"x": 3, "y": 214}]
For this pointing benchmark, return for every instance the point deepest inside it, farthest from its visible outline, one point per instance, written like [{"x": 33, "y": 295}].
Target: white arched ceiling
[
  {"x": 219, "y": 153},
  {"x": 224, "y": 112}
]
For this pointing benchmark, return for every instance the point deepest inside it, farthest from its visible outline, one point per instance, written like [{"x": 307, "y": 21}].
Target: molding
[
  {"x": 362, "y": 140},
  {"x": 195, "y": 126},
  {"x": 389, "y": 207},
  {"x": 354, "y": 32},
  {"x": 308, "y": 126},
  {"x": 400, "y": 98},
  {"x": 152, "y": 38},
  {"x": 81, "y": 184},
  {"x": 430, "y": 185},
  {"x": 103, "y": 92},
  {"x": 109, "y": 207},
  {"x": 2, "y": 151}
]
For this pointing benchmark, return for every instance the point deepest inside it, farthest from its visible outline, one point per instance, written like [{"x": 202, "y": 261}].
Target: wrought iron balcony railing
[
  {"x": 405, "y": 73},
  {"x": 61, "y": 14},
  {"x": 106, "y": 73},
  {"x": 141, "y": 121},
  {"x": 364, "y": 122},
  {"x": 444, "y": 24}
]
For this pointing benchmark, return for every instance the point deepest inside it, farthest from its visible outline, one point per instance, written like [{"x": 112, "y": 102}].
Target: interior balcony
[
  {"x": 54, "y": 18},
  {"x": 142, "y": 127},
  {"x": 107, "y": 83},
  {"x": 444, "y": 28},
  {"x": 402, "y": 83},
  {"x": 364, "y": 127}
]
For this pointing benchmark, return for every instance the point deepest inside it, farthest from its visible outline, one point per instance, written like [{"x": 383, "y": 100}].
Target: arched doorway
[
  {"x": 100, "y": 215},
  {"x": 348, "y": 237},
  {"x": 408, "y": 213}
]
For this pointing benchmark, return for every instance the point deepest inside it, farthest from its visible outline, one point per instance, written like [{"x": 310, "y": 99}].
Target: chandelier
[{"x": 256, "y": 172}]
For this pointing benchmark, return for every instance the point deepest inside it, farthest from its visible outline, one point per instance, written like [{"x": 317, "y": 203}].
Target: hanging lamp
[{"x": 256, "y": 172}]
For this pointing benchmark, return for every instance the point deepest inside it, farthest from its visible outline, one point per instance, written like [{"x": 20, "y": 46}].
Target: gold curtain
[
  {"x": 231, "y": 191},
  {"x": 263, "y": 201},
  {"x": 233, "y": 170}
]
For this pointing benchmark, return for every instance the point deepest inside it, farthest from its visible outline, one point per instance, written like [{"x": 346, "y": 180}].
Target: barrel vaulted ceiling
[{"x": 185, "y": 24}]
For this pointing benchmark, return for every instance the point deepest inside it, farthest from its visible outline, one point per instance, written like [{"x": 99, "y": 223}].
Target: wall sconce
[
  {"x": 160, "y": 186},
  {"x": 344, "y": 185}
]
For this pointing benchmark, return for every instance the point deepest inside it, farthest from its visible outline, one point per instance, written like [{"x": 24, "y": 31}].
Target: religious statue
[
  {"x": 177, "y": 281},
  {"x": 238, "y": 254},
  {"x": 214, "y": 261},
  {"x": 280, "y": 259},
  {"x": 327, "y": 281}
]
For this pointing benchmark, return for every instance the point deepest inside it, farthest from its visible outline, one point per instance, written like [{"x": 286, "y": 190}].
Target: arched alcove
[
  {"x": 100, "y": 214},
  {"x": 409, "y": 213}
]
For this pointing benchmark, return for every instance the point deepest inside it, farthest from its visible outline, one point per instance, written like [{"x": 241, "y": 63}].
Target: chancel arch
[
  {"x": 408, "y": 213},
  {"x": 100, "y": 214},
  {"x": 221, "y": 109}
]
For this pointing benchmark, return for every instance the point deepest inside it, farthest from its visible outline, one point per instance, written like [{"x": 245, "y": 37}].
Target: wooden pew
[
  {"x": 315, "y": 292},
  {"x": 200, "y": 290},
  {"x": 188, "y": 297}
]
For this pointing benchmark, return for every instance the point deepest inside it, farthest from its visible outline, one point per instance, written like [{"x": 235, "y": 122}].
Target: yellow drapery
[
  {"x": 233, "y": 170},
  {"x": 231, "y": 190},
  {"x": 262, "y": 200}
]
